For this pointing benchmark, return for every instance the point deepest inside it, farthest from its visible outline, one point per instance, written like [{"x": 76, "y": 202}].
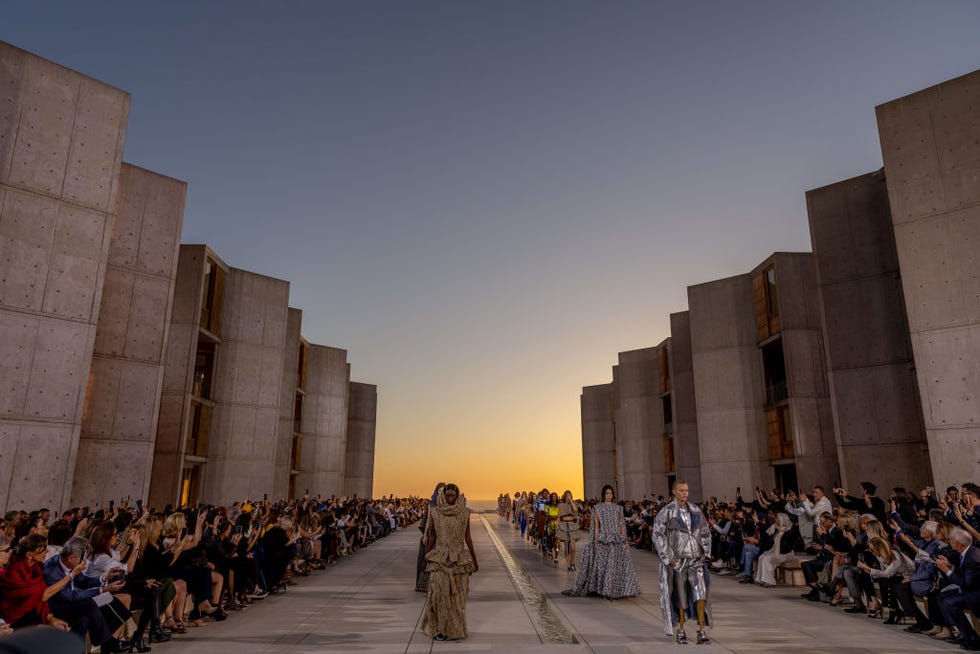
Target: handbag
[{"x": 115, "y": 614}]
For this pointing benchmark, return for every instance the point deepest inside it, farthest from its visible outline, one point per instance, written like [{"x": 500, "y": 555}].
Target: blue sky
[{"x": 486, "y": 201}]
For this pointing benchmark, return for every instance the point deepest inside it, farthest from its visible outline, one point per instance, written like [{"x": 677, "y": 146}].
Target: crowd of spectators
[
  {"x": 913, "y": 559},
  {"x": 104, "y": 572}
]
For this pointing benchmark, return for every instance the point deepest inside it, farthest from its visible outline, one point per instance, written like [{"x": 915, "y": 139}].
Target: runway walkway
[{"x": 367, "y": 603}]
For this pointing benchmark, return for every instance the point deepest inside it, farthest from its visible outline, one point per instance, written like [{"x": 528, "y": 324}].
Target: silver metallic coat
[{"x": 683, "y": 543}]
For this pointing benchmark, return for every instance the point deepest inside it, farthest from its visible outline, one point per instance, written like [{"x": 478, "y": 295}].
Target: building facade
[
  {"x": 119, "y": 421},
  {"x": 681, "y": 434},
  {"x": 599, "y": 439},
  {"x": 132, "y": 366},
  {"x": 930, "y": 143},
  {"x": 61, "y": 144},
  {"x": 362, "y": 418},
  {"x": 860, "y": 362},
  {"x": 870, "y": 369}
]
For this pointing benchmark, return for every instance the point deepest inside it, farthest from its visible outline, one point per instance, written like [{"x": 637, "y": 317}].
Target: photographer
[
  {"x": 73, "y": 602},
  {"x": 869, "y": 503},
  {"x": 808, "y": 511},
  {"x": 923, "y": 580}
]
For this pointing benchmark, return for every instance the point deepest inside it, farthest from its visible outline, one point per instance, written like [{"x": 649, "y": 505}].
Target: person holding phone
[
  {"x": 867, "y": 503},
  {"x": 808, "y": 509},
  {"x": 73, "y": 602},
  {"x": 24, "y": 593}
]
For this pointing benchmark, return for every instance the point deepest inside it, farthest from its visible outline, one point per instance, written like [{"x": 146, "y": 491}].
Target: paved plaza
[{"x": 367, "y": 603}]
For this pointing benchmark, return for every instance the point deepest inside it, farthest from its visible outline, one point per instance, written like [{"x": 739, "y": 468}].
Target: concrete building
[
  {"x": 248, "y": 381},
  {"x": 640, "y": 422},
  {"x": 132, "y": 366},
  {"x": 598, "y": 439},
  {"x": 930, "y": 143},
  {"x": 119, "y": 422},
  {"x": 289, "y": 441},
  {"x": 681, "y": 425},
  {"x": 362, "y": 417},
  {"x": 875, "y": 398},
  {"x": 61, "y": 144},
  {"x": 324, "y": 421},
  {"x": 187, "y": 402},
  {"x": 799, "y": 418},
  {"x": 729, "y": 387}
]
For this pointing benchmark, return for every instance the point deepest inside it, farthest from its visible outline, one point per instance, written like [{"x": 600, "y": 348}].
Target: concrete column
[
  {"x": 686, "y": 454},
  {"x": 287, "y": 403},
  {"x": 929, "y": 143},
  {"x": 639, "y": 424},
  {"x": 61, "y": 143},
  {"x": 598, "y": 440},
  {"x": 324, "y": 423},
  {"x": 115, "y": 452},
  {"x": 248, "y": 383},
  {"x": 876, "y": 406},
  {"x": 175, "y": 399},
  {"x": 362, "y": 412},
  {"x": 728, "y": 387},
  {"x": 814, "y": 442}
]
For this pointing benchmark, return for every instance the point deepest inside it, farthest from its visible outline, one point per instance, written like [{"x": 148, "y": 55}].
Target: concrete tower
[
  {"x": 61, "y": 144},
  {"x": 929, "y": 143}
]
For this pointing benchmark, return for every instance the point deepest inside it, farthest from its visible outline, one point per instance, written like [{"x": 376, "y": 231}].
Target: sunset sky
[{"x": 485, "y": 201}]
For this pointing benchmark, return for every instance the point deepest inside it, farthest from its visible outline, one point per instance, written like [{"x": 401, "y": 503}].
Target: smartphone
[
  {"x": 183, "y": 534},
  {"x": 112, "y": 503},
  {"x": 139, "y": 505},
  {"x": 238, "y": 529},
  {"x": 265, "y": 497}
]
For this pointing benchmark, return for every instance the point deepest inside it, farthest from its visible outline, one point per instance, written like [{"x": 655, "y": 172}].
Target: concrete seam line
[{"x": 549, "y": 628}]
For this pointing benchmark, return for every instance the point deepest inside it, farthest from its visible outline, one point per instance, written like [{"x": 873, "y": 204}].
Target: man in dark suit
[
  {"x": 966, "y": 575},
  {"x": 829, "y": 541},
  {"x": 75, "y": 603}
]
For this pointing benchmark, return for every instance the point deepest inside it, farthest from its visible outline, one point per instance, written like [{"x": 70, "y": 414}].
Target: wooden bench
[{"x": 790, "y": 573}]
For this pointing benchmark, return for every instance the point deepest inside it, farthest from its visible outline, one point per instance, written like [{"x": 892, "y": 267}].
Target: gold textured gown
[{"x": 449, "y": 565}]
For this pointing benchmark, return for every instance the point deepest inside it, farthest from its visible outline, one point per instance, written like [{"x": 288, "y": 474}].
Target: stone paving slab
[{"x": 367, "y": 603}]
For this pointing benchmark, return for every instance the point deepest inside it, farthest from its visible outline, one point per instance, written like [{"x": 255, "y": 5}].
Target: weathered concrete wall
[
  {"x": 876, "y": 406},
  {"x": 248, "y": 383},
  {"x": 639, "y": 424},
  {"x": 728, "y": 387},
  {"x": 362, "y": 415},
  {"x": 930, "y": 143},
  {"x": 115, "y": 452},
  {"x": 324, "y": 425},
  {"x": 178, "y": 371},
  {"x": 61, "y": 143},
  {"x": 814, "y": 442},
  {"x": 687, "y": 457},
  {"x": 598, "y": 438},
  {"x": 287, "y": 402}
]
